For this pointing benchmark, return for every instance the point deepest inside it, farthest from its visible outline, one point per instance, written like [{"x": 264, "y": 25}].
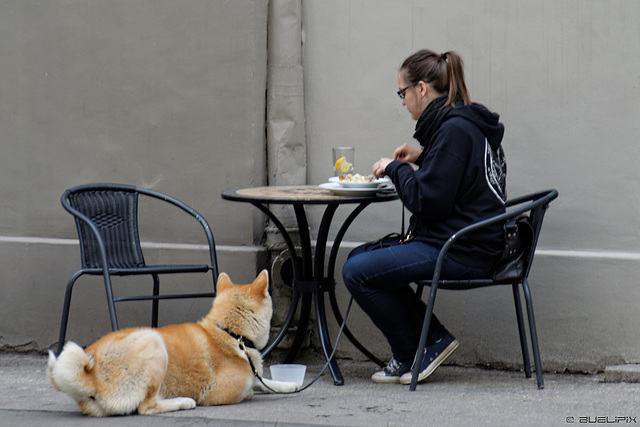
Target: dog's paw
[
  {"x": 187, "y": 403},
  {"x": 153, "y": 406},
  {"x": 272, "y": 386},
  {"x": 288, "y": 387},
  {"x": 296, "y": 386}
]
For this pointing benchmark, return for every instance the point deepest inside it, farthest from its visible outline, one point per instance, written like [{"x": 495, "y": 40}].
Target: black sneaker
[
  {"x": 433, "y": 357},
  {"x": 392, "y": 372}
]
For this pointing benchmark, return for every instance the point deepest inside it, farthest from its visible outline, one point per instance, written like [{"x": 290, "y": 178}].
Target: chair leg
[
  {"x": 110, "y": 303},
  {"x": 534, "y": 333},
  {"x": 155, "y": 302},
  {"x": 65, "y": 311},
  {"x": 415, "y": 371},
  {"x": 522, "y": 331}
]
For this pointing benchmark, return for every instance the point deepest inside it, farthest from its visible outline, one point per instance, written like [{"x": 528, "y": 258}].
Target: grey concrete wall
[
  {"x": 171, "y": 96},
  {"x": 161, "y": 94},
  {"x": 564, "y": 77}
]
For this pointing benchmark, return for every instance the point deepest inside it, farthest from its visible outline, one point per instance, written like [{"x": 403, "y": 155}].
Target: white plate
[
  {"x": 363, "y": 184},
  {"x": 339, "y": 190}
]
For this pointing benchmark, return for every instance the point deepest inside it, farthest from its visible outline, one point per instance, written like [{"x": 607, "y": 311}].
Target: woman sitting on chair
[{"x": 460, "y": 180}]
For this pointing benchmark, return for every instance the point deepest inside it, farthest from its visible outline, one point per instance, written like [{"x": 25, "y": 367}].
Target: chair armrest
[{"x": 195, "y": 214}]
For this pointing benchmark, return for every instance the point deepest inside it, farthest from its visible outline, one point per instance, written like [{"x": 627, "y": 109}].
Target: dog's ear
[
  {"x": 260, "y": 286},
  {"x": 224, "y": 282}
]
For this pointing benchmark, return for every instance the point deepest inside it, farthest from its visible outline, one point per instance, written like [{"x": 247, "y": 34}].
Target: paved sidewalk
[{"x": 453, "y": 396}]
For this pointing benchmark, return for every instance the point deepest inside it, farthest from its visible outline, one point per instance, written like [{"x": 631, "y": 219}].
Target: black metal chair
[
  {"x": 533, "y": 207},
  {"x": 106, "y": 217}
]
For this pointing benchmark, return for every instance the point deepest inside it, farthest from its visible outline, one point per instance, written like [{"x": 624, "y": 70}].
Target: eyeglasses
[{"x": 401, "y": 92}]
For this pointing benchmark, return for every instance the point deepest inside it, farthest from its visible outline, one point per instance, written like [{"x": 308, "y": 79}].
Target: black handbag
[{"x": 518, "y": 236}]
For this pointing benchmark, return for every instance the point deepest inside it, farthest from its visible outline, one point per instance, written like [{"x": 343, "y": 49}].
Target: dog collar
[
  {"x": 241, "y": 339},
  {"x": 243, "y": 343}
]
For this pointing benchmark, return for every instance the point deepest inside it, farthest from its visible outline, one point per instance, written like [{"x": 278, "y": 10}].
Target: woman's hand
[
  {"x": 407, "y": 153},
  {"x": 379, "y": 167}
]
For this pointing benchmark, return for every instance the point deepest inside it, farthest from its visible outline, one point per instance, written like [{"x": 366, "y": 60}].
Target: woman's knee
[
  {"x": 348, "y": 273},
  {"x": 355, "y": 273}
]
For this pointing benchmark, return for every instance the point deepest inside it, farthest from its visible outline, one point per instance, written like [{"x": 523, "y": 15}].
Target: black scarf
[{"x": 431, "y": 119}]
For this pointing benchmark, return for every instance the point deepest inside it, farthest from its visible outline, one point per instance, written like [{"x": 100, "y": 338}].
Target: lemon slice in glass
[{"x": 342, "y": 165}]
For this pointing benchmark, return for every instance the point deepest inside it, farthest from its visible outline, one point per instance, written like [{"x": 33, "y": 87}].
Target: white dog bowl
[{"x": 288, "y": 372}]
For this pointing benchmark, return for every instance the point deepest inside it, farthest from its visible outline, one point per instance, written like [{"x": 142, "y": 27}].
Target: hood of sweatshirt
[{"x": 487, "y": 121}]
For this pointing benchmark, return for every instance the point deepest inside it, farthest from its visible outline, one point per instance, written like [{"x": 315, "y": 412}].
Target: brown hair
[{"x": 443, "y": 71}]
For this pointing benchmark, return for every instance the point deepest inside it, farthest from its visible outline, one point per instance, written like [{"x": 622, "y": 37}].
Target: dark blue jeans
[{"x": 379, "y": 282}]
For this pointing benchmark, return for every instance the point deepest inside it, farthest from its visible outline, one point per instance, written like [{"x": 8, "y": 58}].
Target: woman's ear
[{"x": 424, "y": 89}]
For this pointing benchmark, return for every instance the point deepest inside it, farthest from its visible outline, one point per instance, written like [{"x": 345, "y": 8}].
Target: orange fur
[{"x": 174, "y": 367}]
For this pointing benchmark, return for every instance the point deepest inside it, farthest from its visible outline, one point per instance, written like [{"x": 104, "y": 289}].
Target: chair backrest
[
  {"x": 536, "y": 205},
  {"x": 106, "y": 218}
]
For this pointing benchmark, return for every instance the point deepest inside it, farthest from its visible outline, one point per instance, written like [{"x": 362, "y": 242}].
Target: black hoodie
[{"x": 460, "y": 181}]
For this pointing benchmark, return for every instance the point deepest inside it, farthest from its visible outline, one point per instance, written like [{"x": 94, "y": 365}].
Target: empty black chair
[
  {"x": 106, "y": 217},
  {"x": 524, "y": 214}
]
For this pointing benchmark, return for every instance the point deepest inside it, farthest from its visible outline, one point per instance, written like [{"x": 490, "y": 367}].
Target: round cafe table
[{"x": 310, "y": 281}]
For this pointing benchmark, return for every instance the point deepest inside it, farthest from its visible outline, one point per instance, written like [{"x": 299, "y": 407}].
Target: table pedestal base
[{"x": 310, "y": 283}]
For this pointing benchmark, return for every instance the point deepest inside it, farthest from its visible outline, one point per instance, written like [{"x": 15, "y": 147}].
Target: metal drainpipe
[{"x": 286, "y": 136}]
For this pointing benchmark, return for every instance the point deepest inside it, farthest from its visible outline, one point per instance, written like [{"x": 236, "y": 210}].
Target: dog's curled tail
[{"x": 65, "y": 370}]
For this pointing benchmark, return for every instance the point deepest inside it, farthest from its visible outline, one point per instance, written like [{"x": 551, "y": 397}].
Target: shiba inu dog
[{"x": 176, "y": 367}]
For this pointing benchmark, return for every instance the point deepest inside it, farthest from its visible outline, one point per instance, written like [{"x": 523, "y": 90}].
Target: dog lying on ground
[{"x": 178, "y": 366}]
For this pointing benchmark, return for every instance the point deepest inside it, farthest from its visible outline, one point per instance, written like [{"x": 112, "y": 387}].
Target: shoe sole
[
  {"x": 387, "y": 379},
  {"x": 406, "y": 378}
]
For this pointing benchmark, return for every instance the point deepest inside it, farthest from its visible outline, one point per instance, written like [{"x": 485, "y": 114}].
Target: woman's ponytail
[
  {"x": 444, "y": 72},
  {"x": 455, "y": 76}
]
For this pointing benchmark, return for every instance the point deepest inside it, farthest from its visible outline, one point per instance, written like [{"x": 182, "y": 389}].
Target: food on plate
[
  {"x": 357, "y": 178},
  {"x": 343, "y": 166}
]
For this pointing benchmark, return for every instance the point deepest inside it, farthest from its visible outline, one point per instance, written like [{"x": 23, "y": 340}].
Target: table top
[{"x": 301, "y": 194}]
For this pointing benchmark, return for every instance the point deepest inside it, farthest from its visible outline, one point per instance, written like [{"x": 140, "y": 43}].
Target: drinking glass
[{"x": 343, "y": 160}]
